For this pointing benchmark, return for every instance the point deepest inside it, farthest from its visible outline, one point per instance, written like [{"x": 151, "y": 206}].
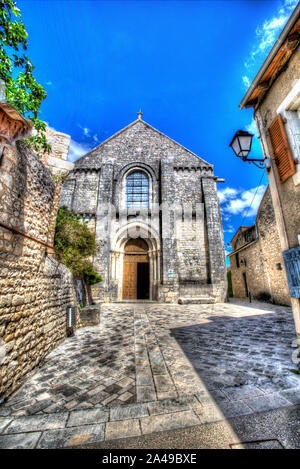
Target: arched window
[{"x": 137, "y": 190}]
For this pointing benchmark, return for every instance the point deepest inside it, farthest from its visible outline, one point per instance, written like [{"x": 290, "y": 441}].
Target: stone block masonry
[
  {"x": 256, "y": 261},
  {"x": 56, "y": 160},
  {"x": 35, "y": 289}
]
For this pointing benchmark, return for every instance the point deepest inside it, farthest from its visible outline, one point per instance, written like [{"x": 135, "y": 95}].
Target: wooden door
[
  {"x": 130, "y": 281},
  {"x": 136, "y": 252}
]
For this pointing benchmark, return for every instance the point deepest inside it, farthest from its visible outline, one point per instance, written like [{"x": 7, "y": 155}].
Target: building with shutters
[
  {"x": 154, "y": 207},
  {"x": 275, "y": 97},
  {"x": 256, "y": 261}
]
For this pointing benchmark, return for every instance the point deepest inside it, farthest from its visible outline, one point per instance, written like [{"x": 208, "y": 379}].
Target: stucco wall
[{"x": 289, "y": 194}]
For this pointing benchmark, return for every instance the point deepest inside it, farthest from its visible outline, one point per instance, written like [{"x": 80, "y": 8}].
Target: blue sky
[{"x": 186, "y": 64}]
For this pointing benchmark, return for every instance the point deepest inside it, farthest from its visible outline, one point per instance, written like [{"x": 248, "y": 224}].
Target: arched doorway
[{"x": 136, "y": 275}]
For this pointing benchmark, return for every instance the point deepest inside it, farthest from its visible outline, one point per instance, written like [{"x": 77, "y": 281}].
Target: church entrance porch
[
  {"x": 134, "y": 264},
  {"x": 136, "y": 270}
]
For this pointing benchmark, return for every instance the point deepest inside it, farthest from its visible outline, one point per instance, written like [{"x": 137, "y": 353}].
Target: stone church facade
[{"x": 153, "y": 205}]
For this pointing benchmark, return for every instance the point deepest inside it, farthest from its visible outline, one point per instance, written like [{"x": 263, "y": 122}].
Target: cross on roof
[{"x": 139, "y": 114}]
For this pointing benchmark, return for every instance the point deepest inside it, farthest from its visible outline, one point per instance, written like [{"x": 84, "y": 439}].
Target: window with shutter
[{"x": 281, "y": 149}]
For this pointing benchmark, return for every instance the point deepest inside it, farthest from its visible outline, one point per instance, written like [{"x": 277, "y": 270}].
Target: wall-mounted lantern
[{"x": 241, "y": 145}]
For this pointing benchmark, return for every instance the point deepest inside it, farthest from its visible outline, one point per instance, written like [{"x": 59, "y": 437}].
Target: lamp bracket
[{"x": 259, "y": 163}]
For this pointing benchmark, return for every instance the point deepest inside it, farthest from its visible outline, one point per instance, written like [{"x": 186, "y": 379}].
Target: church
[{"x": 154, "y": 208}]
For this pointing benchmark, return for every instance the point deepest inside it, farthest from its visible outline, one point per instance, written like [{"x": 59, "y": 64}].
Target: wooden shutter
[{"x": 281, "y": 149}]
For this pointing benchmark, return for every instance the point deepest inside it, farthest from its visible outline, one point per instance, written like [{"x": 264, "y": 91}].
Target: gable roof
[
  {"x": 140, "y": 121},
  {"x": 240, "y": 229}
]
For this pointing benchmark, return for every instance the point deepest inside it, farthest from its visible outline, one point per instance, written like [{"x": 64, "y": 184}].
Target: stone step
[
  {"x": 136, "y": 301},
  {"x": 198, "y": 300}
]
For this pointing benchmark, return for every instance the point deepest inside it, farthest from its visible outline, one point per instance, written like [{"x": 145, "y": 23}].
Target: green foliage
[
  {"x": 59, "y": 178},
  {"x": 91, "y": 276},
  {"x": 76, "y": 242},
  {"x": 296, "y": 372},
  {"x": 229, "y": 282},
  {"x": 22, "y": 90}
]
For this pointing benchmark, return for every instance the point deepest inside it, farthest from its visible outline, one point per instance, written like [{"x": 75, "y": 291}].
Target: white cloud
[
  {"x": 49, "y": 83},
  {"x": 247, "y": 203},
  {"x": 229, "y": 229},
  {"x": 227, "y": 194},
  {"x": 88, "y": 135},
  {"x": 76, "y": 150},
  {"x": 246, "y": 81},
  {"x": 252, "y": 128},
  {"x": 85, "y": 130},
  {"x": 266, "y": 34},
  {"x": 238, "y": 201}
]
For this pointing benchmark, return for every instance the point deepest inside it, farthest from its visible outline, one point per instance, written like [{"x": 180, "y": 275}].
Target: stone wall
[
  {"x": 85, "y": 192},
  {"x": 56, "y": 160},
  {"x": 259, "y": 257},
  {"x": 215, "y": 239},
  {"x": 35, "y": 289}
]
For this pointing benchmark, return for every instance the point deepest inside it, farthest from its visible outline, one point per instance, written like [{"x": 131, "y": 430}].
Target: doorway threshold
[{"x": 135, "y": 301}]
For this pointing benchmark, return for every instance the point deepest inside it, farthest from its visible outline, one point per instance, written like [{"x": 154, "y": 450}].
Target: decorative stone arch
[
  {"x": 136, "y": 229},
  {"x": 120, "y": 184}
]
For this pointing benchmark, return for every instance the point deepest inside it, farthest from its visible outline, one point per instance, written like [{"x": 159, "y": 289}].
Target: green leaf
[
  {"x": 77, "y": 244},
  {"x": 22, "y": 90},
  {"x": 297, "y": 372}
]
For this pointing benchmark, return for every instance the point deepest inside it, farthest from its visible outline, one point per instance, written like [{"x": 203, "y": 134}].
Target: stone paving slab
[
  {"x": 209, "y": 413},
  {"x": 155, "y": 367},
  {"x": 263, "y": 403},
  {"x": 122, "y": 429},
  {"x": 20, "y": 441},
  {"x": 293, "y": 395},
  {"x": 234, "y": 409},
  {"x": 71, "y": 436},
  {"x": 157, "y": 423},
  {"x": 87, "y": 416},
  {"x": 168, "y": 406},
  {"x": 133, "y": 411},
  {"x": 37, "y": 423},
  {"x": 4, "y": 423}
]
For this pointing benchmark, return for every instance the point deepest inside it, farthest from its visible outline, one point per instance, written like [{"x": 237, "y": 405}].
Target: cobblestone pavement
[{"x": 152, "y": 367}]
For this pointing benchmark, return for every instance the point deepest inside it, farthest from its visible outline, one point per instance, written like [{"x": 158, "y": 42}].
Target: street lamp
[{"x": 241, "y": 145}]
